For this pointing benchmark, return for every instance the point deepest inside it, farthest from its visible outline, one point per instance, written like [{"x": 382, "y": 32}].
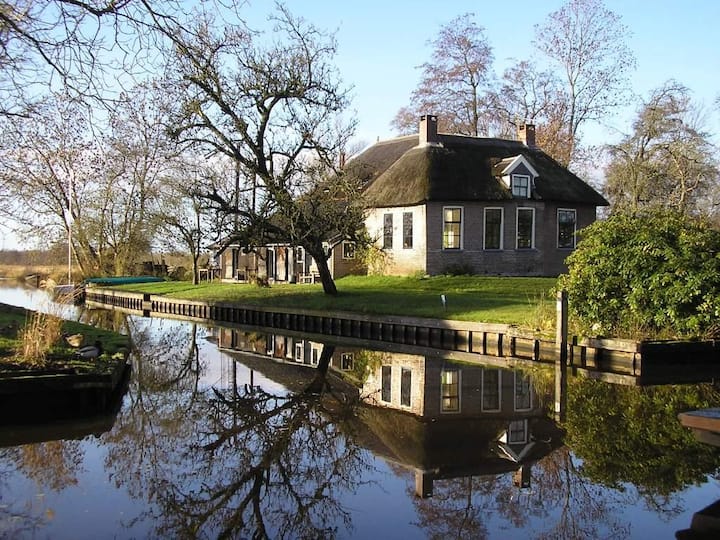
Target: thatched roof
[{"x": 401, "y": 173}]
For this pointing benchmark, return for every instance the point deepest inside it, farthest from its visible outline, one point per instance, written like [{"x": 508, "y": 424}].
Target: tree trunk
[
  {"x": 326, "y": 278},
  {"x": 320, "y": 382},
  {"x": 196, "y": 270}
]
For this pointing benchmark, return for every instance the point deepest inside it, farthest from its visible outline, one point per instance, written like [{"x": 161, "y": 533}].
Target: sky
[{"x": 381, "y": 43}]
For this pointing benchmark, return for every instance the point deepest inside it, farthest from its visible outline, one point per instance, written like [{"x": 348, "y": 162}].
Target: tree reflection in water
[
  {"x": 17, "y": 518},
  {"x": 631, "y": 436},
  {"x": 242, "y": 460},
  {"x": 236, "y": 461},
  {"x": 559, "y": 503}
]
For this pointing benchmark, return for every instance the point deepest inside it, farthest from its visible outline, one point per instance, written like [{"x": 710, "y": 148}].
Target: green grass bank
[{"x": 522, "y": 301}]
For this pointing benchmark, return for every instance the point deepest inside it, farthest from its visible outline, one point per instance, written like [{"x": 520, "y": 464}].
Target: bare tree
[
  {"x": 668, "y": 159},
  {"x": 272, "y": 105},
  {"x": 185, "y": 217},
  {"x": 527, "y": 95},
  {"x": 454, "y": 82},
  {"x": 61, "y": 182},
  {"x": 50, "y": 168},
  {"x": 90, "y": 49},
  {"x": 588, "y": 42}
]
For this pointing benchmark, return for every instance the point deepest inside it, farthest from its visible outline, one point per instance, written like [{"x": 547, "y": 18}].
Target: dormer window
[
  {"x": 520, "y": 185},
  {"x": 518, "y": 175}
]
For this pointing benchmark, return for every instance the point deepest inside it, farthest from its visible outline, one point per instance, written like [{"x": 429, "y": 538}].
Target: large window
[
  {"x": 452, "y": 228},
  {"x": 518, "y": 432},
  {"x": 525, "y": 228},
  {"x": 387, "y": 231},
  {"x": 493, "y": 228},
  {"x": 450, "y": 390},
  {"x": 490, "y": 390},
  {"x": 567, "y": 221},
  {"x": 407, "y": 230},
  {"x": 523, "y": 392},
  {"x": 520, "y": 185},
  {"x": 405, "y": 385},
  {"x": 386, "y": 394}
]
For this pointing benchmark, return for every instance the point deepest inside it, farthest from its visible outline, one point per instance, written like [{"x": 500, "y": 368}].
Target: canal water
[{"x": 239, "y": 432}]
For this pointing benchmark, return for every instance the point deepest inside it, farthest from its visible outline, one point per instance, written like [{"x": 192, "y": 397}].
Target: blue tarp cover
[{"x": 122, "y": 280}]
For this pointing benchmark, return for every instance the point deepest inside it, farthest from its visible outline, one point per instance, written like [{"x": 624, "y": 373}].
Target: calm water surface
[{"x": 241, "y": 433}]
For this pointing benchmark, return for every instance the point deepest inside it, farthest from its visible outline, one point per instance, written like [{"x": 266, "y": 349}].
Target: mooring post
[{"x": 561, "y": 345}]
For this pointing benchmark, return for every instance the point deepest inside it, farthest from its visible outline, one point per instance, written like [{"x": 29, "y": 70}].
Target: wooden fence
[{"x": 614, "y": 360}]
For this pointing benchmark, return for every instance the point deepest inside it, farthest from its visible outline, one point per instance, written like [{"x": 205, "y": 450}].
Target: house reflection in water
[{"x": 437, "y": 418}]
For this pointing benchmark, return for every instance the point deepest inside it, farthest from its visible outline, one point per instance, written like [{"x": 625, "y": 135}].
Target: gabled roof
[
  {"x": 508, "y": 165},
  {"x": 401, "y": 173}
]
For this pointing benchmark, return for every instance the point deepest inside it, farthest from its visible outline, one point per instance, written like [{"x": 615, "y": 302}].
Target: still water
[{"x": 242, "y": 433}]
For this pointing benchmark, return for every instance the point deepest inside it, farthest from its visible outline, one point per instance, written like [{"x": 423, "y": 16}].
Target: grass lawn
[
  {"x": 13, "y": 319},
  {"x": 524, "y": 301}
]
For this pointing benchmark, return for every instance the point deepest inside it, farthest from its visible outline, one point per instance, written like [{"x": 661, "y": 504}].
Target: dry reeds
[{"x": 38, "y": 336}]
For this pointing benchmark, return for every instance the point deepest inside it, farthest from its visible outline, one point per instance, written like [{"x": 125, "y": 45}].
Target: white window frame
[
  {"x": 385, "y": 236},
  {"x": 574, "y": 235},
  {"x": 405, "y": 231},
  {"x": 517, "y": 228},
  {"x": 458, "y": 373},
  {"x": 522, "y": 381},
  {"x": 347, "y": 244},
  {"x": 315, "y": 352},
  {"x": 502, "y": 227},
  {"x": 382, "y": 383},
  {"x": 462, "y": 228},
  {"x": 499, "y": 390},
  {"x": 299, "y": 351},
  {"x": 347, "y": 359},
  {"x": 516, "y": 427},
  {"x": 528, "y": 178},
  {"x": 403, "y": 371}
]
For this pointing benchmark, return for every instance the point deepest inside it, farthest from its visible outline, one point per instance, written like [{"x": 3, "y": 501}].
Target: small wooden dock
[{"x": 611, "y": 360}]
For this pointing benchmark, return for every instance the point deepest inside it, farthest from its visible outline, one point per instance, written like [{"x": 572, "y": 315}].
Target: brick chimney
[
  {"x": 428, "y": 130},
  {"x": 526, "y": 134}
]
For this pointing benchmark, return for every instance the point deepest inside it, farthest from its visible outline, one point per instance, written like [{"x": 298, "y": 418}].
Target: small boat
[
  {"x": 707, "y": 419},
  {"x": 705, "y": 424}
]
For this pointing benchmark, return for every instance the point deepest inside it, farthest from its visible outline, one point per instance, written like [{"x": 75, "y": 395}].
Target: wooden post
[
  {"x": 423, "y": 483},
  {"x": 561, "y": 345}
]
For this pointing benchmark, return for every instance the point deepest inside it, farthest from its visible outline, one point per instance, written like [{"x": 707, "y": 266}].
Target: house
[
  {"x": 456, "y": 204},
  {"x": 282, "y": 263}
]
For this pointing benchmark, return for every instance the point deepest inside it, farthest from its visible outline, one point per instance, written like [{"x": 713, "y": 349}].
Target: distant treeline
[{"x": 33, "y": 257}]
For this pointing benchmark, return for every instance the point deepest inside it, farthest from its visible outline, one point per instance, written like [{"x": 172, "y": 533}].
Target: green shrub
[
  {"x": 459, "y": 269},
  {"x": 654, "y": 274}
]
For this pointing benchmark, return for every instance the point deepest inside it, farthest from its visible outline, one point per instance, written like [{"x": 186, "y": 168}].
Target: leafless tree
[
  {"x": 454, "y": 82},
  {"x": 62, "y": 182},
  {"x": 588, "y": 43},
  {"x": 273, "y": 105}
]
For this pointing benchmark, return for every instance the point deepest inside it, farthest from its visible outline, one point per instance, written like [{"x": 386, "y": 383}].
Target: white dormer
[{"x": 518, "y": 175}]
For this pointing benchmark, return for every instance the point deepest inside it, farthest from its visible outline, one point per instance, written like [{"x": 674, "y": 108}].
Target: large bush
[{"x": 655, "y": 274}]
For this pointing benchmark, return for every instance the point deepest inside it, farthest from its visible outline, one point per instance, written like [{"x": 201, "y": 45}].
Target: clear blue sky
[{"x": 382, "y": 42}]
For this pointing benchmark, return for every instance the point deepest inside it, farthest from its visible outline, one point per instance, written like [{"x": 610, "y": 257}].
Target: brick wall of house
[
  {"x": 544, "y": 259},
  {"x": 426, "y": 389},
  {"x": 341, "y": 266},
  {"x": 473, "y": 389}
]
